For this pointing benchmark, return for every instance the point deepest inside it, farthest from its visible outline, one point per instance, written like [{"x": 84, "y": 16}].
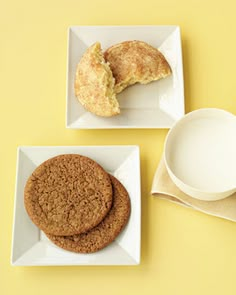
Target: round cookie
[
  {"x": 104, "y": 233},
  {"x": 68, "y": 194}
]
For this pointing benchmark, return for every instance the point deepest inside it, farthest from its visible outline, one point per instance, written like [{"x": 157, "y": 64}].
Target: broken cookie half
[
  {"x": 136, "y": 62},
  {"x": 94, "y": 83}
]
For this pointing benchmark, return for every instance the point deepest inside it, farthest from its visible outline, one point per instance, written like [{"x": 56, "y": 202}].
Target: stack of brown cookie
[{"x": 76, "y": 203}]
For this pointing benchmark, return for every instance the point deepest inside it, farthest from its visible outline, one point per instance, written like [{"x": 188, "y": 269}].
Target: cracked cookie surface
[
  {"x": 68, "y": 194},
  {"x": 94, "y": 83},
  {"x": 136, "y": 62},
  {"x": 105, "y": 232}
]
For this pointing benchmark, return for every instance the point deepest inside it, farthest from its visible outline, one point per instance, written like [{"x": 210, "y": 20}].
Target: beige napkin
[{"x": 164, "y": 188}]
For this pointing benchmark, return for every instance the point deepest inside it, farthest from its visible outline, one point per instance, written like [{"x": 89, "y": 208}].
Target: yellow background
[{"x": 183, "y": 251}]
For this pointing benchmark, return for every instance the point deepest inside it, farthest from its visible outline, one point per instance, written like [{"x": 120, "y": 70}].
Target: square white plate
[
  {"x": 156, "y": 105},
  {"x": 31, "y": 247}
]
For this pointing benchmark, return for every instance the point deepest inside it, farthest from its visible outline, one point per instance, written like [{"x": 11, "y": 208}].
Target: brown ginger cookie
[
  {"x": 68, "y": 194},
  {"x": 105, "y": 232}
]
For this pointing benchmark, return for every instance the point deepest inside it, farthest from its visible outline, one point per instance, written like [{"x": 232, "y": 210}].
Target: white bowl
[
  {"x": 200, "y": 154},
  {"x": 156, "y": 105},
  {"x": 31, "y": 247}
]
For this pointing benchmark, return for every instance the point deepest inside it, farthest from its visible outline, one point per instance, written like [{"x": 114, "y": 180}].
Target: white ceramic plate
[
  {"x": 31, "y": 247},
  {"x": 156, "y": 105}
]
